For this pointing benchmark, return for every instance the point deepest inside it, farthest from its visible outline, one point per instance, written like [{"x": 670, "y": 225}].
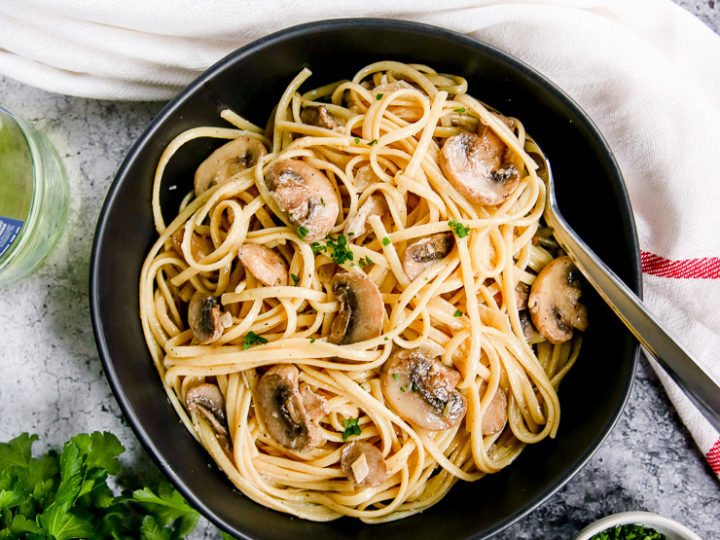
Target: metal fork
[{"x": 699, "y": 385}]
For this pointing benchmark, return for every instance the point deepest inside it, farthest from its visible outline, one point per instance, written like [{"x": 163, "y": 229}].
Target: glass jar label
[{"x": 9, "y": 229}]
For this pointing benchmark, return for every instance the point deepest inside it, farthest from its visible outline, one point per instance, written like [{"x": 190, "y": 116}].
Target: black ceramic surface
[{"x": 250, "y": 81}]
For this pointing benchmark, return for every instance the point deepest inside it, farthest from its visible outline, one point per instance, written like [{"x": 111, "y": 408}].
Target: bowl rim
[
  {"x": 624, "y": 207},
  {"x": 648, "y": 519}
]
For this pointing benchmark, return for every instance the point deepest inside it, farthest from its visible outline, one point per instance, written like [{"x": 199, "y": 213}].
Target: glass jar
[{"x": 33, "y": 197}]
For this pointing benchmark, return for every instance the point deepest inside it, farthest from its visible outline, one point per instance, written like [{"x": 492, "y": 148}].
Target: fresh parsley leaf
[
  {"x": 150, "y": 530},
  {"x": 351, "y": 428},
  {"x": 17, "y": 452},
  {"x": 458, "y": 313},
  {"x": 460, "y": 110},
  {"x": 295, "y": 278},
  {"x": 460, "y": 230},
  {"x": 317, "y": 247},
  {"x": 168, "y": 507},
  {"x": 251, "y": 338},
  {"x": 302, "y": 231},
  {"x": 396, "y": 376},
  {"x": 379, "y": 97},
  {"x": 386, "y": 241},
  {"x": 312, "y": 340},
  {"x": 100, "y": 450},
  {"x": 322, "y": 201},
  {"x": 373, "y": 142},
  {"x": 336, "y": 248},
  {"x": 368, "y": 260},
  {"x": 357, "y": 140},
  {"x": 362, "y": 263},
  {"x": 629, "y": 532}
]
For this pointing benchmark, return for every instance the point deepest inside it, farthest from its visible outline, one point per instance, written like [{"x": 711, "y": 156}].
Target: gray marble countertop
[{"x": 53, "y": 383}]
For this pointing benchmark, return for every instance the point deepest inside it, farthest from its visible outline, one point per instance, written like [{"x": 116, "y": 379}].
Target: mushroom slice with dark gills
[
  {"x": 205, "y": 318},
  {"x": 554, "y": 301},
  {"x": 363, "y": 463},
  {"x": 231, "y": 158},
  {"x": 479, "y": 167},
  {"x": 495, "y": 417},
  {"x": 318, "y": 115},
  {"x": 305, "y": 195},
  {"x": 280, "y": 404},
  {"x": 361, "y": 309},
  {"x": 200, "y": 246},
  {"x": 207, "y": 400},
  {"x": 422, "y": 253},
  {"x": 268, "y": 267},
  {"x": 422, "y": 390},
  {"x": 356, "y": 225}
]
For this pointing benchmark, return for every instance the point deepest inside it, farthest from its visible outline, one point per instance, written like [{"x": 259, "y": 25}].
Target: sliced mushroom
[
  {"x": 205, "y": 318},
  {"x": 356, "y": 225},
  {"x": 318, "y": 115},
  {"x": 207, "y": 400},
  {"x": 365, "y": 176},
  {"x": 315, "y": 405},
  {"x": 422, "y": 390},
  {"x": 231, "y": 158},
  {"x": 479, "y": 166},
  {"x": 267, "y": 266},
  {"x": 361, "y": 309},
  {"x": 280, "y": 405},
  {"x": 554, "y": 301},
  {"x": 529, "y": 333},
  {"x": 200, "y": 246},
  {"x": 305, "y": 195},
  {"x": 422, "y": 253},
  {"x": 522, "y": 291},
  {"x": 495, "y": 417},
  {"x": 363, "y": 463}
]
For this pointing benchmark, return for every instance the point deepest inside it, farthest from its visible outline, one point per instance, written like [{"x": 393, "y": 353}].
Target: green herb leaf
[
  {"x": 368, "y": 260},
  {"x": 460, "y": 110},
  {"x": 379, "y": 97},
  {"x": 251, "y": 338},
  {"x": 386, "y": 241},
  {"x": 351, "y": 428},
  {"x": 168, "y": 507},
  {"x": 17, "y": 452},
  {"x": 322, "y": 201},
  {"x": 458, "y": 313},
  {"x": 371, "y": 143},
  {"x": 312, "y": 340},
  {"x": 336, "y": 248},
  {"x": 458, "y": 228},
  {"x": 295, "y": 278},
  {"x": 357, "y": 140},
  {"x": 302, "y": 231},
  {"x": 396, "y": 376}
]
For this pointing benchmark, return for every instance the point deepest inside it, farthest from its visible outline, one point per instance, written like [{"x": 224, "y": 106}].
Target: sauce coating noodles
[{"x": 339, "y": 311}]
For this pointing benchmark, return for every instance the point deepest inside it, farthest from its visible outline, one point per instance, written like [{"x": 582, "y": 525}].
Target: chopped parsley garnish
[
  {"x": 403, "y": 388},
  {"x": 396, "y": 376},
  {"x": 461, "y": 110},
  {"x": 361, "y": 262},
  {"x": 415, "y": 388},
  {"x": 629, "y": 532},
  {"x": 351, "y": 428},
  {"x": 379, "y": 97},
  {"x": 322, "y": 201},
  {"x": 367, "y": 261},
  {"x": 458, "y": 313},
  {"x": 374, "y": 141},
  {"x": 296, "y": 279},
  {"x": 357, "y": 140},
  {"x": 251, "y": 338},
  {"x": 317, "y": 247},
  {"x": 458, "y": 228},
  {"x": 336, "y": 249},
  {"x": 302, "y": 231},
  {"x": 312, "y": 340},
  {"x": 386, "y": 241},
  {"x": 386, "y": 338}
]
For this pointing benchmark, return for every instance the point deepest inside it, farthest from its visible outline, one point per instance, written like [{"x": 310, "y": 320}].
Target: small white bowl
[{"x": 670, "y": 528}]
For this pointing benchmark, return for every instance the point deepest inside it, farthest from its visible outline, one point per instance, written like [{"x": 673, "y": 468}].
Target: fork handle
[{"x": 699, "y": 385}]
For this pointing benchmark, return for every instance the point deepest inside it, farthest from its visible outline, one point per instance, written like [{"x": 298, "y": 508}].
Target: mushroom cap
[
  {"x": 495, "y": 417},
  {"x": 318, "y": 115},
  {"x": 280, "y": 405},
  {"x": 231, "y": 158},
  {"x": 372, "y": 472},
  {"x": 305, "y": 195},
  {"x": 200, "y": 246},
  {"x": 529, "y": 333},
  {"x": 554, "y": 301},
  {"x": 356, "y": 225},
  {"x": 422, "y": 253},
  {"x": 478, "y": 168},
  {"x": 422, "y": 390},
  {"x": 208, "y": 401},
  {"x": 267, "y": 266},
  {"x": 204, "y": 318},
  {"x": 361, "y": 311}
]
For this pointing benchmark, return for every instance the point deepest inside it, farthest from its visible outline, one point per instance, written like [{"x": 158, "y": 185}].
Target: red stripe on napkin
[
  {"x": 705, "y": 268},
  {"x": 713, "y": 457}
]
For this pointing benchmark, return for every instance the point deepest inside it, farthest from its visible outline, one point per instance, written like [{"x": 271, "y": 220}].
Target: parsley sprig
[
  {"x": 351, "y": 428},
  {"x": 67, "y": 496},
  {"x": 251, "y": 338},
  {"x": 336, "y": 248},
  {"x": 460, "y": 230}
]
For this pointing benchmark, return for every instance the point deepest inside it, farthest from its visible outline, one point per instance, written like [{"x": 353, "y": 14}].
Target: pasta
[{"x": 358, "y": 306}]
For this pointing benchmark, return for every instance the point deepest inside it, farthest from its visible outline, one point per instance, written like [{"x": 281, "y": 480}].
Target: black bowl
[{"x": 591, "y": 194}]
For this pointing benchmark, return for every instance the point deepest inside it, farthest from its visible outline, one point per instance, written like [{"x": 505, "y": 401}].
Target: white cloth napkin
[{"x": 646, "y": 71}]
